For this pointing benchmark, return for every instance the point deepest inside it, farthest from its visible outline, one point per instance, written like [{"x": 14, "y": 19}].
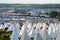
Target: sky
[{"x": 31, "y": 1}]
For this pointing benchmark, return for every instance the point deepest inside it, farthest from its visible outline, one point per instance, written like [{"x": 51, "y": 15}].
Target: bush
[
  {"x": 6, "y": 28},
  {"x": 53, "y": 14},
  {"x": 59, "y": 16}
]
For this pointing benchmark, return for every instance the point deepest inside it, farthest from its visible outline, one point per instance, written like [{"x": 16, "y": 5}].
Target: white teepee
[
  {"x": 14, "y": 27},
  {"x": 45, "y": 35},
  {"x": 59, "y": 27},
  {"x": 11, "y": 27},
  {"x": 25, "y": 35},
  {"x": 29, "y": 26},
  {"x": 32, "y": 33},
  {"x": 37, "y": 35},
  {"x": 58, "y": 37},
  {"x": 1, "y": 26},
  {"x": 18, "y": 27},
  {"x": 50, "y": 30},
  {"x": 21, "y": 32},
  {"x": 15, "y": 35},
  {"x": 6, "y": 25},
  {"x": 23, "y": 28},
  {"x": 56, "y": 30}
]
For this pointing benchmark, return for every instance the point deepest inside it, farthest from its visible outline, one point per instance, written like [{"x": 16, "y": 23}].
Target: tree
[
  {"x": 22, "y": 11},
  {"x": 59, "y": 16},
  {"x": 53, "y": 14},
  {"x": 15, "y": 11}
]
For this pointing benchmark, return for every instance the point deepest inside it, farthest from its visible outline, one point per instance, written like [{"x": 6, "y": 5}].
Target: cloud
[{"x": 31, "y": 1}]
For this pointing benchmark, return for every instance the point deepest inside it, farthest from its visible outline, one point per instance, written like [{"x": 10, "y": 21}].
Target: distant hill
[
  {"x": 26, "y": 7},
  {"x": 31, "y": 5}
]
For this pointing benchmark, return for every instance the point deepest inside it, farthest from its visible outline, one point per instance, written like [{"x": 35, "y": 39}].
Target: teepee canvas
[
  {"x": 58, "y": 37},
  {"x": 1, "y": 26},
  {"x": 37, "y": 32},
  {"x": 29, "y": 26},
  {"x": 11, "y": 27},
  {"x": 50, "y": 30},
  {"x": 44, "y": 34},
  {"x": 56, "y": 30},
  {"x": 24, "y": 27},
  {"x": 32, "y": 33},
  {"x": 38, "y": 36},
  {"x": 18, "y": 27},
  {"x": 15, "y": 35},
  {"x": 25, "y": 35},
  {"x": 59, "y": 27},
  {"x": 6, "y": 25}
]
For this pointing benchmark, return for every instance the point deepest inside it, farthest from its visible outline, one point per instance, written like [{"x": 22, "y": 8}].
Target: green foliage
[
  {"x": 19, "y": 11},
  {"x": 22, "y": 11},
  {"x": 46, "y": 13},
  {"x": 15, "y": 11},
  {"x": 59, "y": 16},
  {"x": 38, "y": 14},
  {"x": 53, "y": 14},
  {"x": 5, "y": 35}
]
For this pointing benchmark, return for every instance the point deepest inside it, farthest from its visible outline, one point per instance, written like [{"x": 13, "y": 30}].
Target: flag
[{"x": 8, "y": 13}]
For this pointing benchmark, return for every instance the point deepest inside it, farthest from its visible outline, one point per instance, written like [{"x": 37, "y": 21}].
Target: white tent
[
  {"x": 58, "y": 27},
  {"x": 32, "y": 33},
  {"x": 55, "y": 30},
  {"x": 44, "y": 32},
  {"x": 37, "y": 35},
  {"x": 11, "y": 27},
  {"x": 18, "y": 27},
  {"x": 21, "y": 32},
  {"x": 15, "y": 35},
  {"x": 15, "y": 32},
  {"x": 58, "y": 37},
  {"x": 50, "y": 30},
  {"x": 45, "y": 35},
  {"x": 24, "y": 27},
  {"x": 40, "y": 27},
  {"x": 1, "y": 26},
  {"x": 25, "y": 35},
  {"x": 29, "y": 26},
  {"x": 6, "y": 25}
]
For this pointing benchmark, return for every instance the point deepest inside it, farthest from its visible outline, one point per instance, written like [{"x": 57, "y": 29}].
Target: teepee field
[
  {"x": 15, "y": 33},
  {"x": 6, "y": 35}
]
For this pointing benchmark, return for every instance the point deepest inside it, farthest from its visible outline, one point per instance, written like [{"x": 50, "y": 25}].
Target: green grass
[
  {"x": 1, "y": 38},
  {"x": 5, "y": 35},
  {"x": 32, "y": 38}
]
